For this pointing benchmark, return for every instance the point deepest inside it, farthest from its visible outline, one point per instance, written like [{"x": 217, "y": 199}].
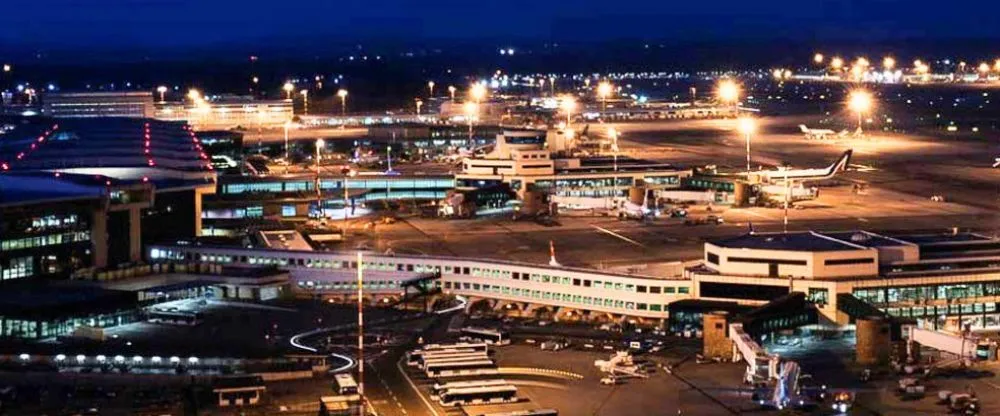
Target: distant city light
[
  {"x": 6, "y": 68},
  {"x": 477, "y": 92},
  {"x": 818, "y": 58}
]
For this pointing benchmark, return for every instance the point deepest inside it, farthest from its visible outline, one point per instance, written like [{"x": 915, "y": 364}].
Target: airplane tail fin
[
  {"x": 803, "y": 128},
  {"x": 841, "y": 164}
]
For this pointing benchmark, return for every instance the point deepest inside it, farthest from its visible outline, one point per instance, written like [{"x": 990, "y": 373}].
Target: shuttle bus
[
  {"x": 476, "y": 356},
  {"x": 420, "y": 359},
  {"x": 461, "y": 368},
  {"x": 479, "y": 395},
  {"x": 345, "y": 384},
  {"x": 438, "y": 388},
  {"x": 415, "y": 357},
  {"x": 487, "y": 335}
]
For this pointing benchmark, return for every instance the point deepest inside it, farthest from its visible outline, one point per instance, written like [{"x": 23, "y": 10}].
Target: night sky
[{"x": 200, "y": 22}]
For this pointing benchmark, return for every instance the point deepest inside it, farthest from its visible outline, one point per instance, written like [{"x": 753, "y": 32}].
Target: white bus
[
  {"x": 479, "y": 395},
  {"x": 439, "y": 388},
  {"x": 449, "y": 358},
  {"x": 413, "y": 358},
  {"x": 533, "y": 412},
  {"x": 420, "y": 360},
  {"x": 461, "y": 368},
  {"x": 345, "y": 384},
  {"x": 487, "y": 335}
]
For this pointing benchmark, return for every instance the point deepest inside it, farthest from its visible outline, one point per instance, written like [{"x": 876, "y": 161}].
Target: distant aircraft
[
  {"x": 819, "y": 134},
  {"x": 803, "y": 175},
  {"x": 996, "y": 162}
]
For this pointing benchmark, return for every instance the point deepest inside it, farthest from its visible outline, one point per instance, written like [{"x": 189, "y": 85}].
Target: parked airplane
[
  {"x": 820, "y": 134},
  {"x": 620, "y": 207},
  {"x": 805, "y": 175}
]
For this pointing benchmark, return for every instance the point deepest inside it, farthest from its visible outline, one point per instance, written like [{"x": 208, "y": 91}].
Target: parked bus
[
  {"x": 344, "y": 384},
  {"x": 421, "y": 360},
  {"x": 533, "y": 412},
  {"x": 479, "y": 395},
  {"x": 439, "y": 388},
  {"x": 487, "y": 335},
  {"x": 461, "y": 368},
  {"x": 452, "y": 358},
  {"x": 414, "y": 357}
]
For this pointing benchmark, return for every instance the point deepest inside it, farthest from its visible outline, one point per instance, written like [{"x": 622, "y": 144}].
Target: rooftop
[
  {"x": 120, "y": 148},
  {"x": 796, "y": 241}
]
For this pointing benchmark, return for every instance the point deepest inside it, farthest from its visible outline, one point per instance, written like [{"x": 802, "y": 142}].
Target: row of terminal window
[
  {"x": 565, "y": 297},
  {"x": 420, "y": 268}
]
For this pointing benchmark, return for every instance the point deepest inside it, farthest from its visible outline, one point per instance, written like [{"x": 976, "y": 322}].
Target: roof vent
[{"x": 860, "y": 237}]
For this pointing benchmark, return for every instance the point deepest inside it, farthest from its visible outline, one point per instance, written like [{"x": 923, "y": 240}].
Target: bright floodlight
[
  {"x": 837, "y": 63},
  {"x": 747, "y": 125},
  {"x": 477, "y": 92},
  {"x": 471, "y": 109},
  {"x": 889, "y": 62},
  {"x": 342, "y": 93},
  {"x": 778, "y": 73},
  {"x": 194, "y": 94},
  {"x": 320, "y": 143},
  {"x": 604, "y": 89},
  {"x": 568, "y": 104},
  {"x": 818, "y": 58},
  {"x": 984, "y": 67},
  {"x": 288, "y": 87},
  {"x": 996, "y": 65},
  {"x": 862, "y": 61},
  {"x": 161, "y": 89},
  {"x": 728, "y": 91},
  {"x": 860, "y": 101}
]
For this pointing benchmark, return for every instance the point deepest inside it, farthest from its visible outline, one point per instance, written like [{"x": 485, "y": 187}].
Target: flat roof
[
  {"x": 865, "y": 238},
  {"x": 797, "y": 241},
  {"x": 44, "y": 301},
  {"x": 926, "y": 239}
]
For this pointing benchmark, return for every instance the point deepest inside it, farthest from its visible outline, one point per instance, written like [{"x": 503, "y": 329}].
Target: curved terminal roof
[{"x": 119, "y": 148}]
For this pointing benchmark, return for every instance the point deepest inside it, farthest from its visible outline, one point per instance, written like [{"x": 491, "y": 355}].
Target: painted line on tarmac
[
  {"x": 614, "y": 234},
  {"x": 430, "y": 407}
]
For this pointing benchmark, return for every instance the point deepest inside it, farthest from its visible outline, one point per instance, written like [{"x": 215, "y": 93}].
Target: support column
[
  {"x": 197, "y": 212},
  {"x": 134, "y": 234},
  {"x": 99, "y": 238}
]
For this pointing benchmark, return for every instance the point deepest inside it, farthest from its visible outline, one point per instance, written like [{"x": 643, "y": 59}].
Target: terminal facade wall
[{"x": 798, "y": 264}]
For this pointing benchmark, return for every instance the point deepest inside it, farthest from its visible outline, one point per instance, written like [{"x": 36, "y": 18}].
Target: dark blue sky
[{"x": 133, "y": 23}]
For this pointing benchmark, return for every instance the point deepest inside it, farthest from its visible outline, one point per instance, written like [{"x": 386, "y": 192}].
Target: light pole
[
  {"x": 552, "y": 84},
  {"x": 388, "y": 156},
  {"x": 342, "y": 93},
  {"x": 430, "y": 88},
  {"x": 860, "y": 101},
  {"x": 747, "y": 126},
  {"x": 451, "y": 90},
  {"x": 320, "y": 144},
  {"x": 288, "y": 87},
  {"x": 541, "y": 86},
  {"x": 287, "y": 162},
  {"x": 471, "y": 110},
  {"x": 604, "y": 90},
  {"x": 163, "y": 91},
  {"x": 568, "y": 105},
  {"x": 305, "y": 101},
  {"x": 361, "y": 333},
  {"x": 419, "y": 103}
]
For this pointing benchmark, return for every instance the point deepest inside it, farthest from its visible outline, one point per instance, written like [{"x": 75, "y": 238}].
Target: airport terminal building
[{"x": 937, "y": 278}]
